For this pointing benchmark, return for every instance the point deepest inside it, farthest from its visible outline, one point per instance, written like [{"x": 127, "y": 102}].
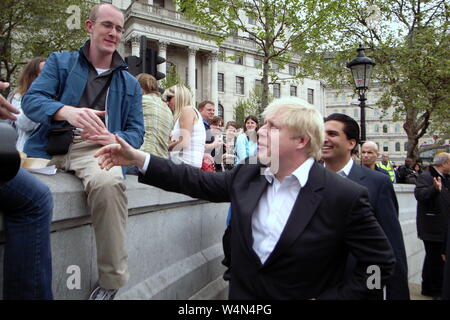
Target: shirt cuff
[{"x": 143, "y": 170}]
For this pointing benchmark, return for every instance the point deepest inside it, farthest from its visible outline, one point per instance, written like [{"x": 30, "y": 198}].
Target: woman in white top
[
  {"x": 188, "y": 134},
  {"x": 23, "y": 124}
]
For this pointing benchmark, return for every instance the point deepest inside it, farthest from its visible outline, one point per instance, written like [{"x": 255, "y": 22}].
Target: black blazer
[
  {"x": 330, "y": 218},
  {"x": 384, "y": 202},
  {"x": 432, "y": 214}
]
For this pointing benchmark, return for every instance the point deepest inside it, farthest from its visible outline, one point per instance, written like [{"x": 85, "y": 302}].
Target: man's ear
[
  {"x": 88, "y": 24},
  {"x": 352, "y": 143},
  {"x": 302, "y": 142}
]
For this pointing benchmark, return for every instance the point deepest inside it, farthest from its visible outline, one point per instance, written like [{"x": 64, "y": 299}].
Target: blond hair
[
  {"x": 182, "y": 97},
  {"x": 301, "y": 119}
]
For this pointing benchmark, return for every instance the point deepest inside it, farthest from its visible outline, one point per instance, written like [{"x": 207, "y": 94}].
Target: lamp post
[{"x": 361, "y": 68}]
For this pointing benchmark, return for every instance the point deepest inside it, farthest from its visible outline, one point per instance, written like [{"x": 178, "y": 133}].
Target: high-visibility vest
[{"x": 389, "y": 169}]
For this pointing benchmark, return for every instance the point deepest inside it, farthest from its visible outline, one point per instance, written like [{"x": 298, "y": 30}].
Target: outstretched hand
[{"x": 119, "y": 154}]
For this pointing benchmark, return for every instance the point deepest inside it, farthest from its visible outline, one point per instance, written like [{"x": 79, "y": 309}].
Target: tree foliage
[
  {"x": 30, "y": 28},
  {"x": 249, "y": 106},
  {"x": 280, "y": 28},
  {"x": 410, "y": 42}
]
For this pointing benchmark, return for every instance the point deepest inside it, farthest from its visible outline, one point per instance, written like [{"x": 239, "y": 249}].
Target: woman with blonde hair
[
  {"x": 188, "y": 134},
  {"x": 23, "y": 124}
]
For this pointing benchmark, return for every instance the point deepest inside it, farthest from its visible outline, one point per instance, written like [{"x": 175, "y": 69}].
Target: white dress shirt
[{"x": 274, "y": 208}]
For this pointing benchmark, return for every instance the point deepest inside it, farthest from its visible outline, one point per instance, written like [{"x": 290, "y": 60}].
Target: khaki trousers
[{"x": 108, "y": 203}]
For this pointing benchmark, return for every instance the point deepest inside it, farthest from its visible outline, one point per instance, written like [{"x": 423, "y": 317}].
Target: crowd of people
[{"x": 307, "y": 228}]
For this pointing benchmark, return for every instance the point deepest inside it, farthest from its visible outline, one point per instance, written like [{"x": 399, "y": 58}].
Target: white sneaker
[{"x": 100, "y": 293}]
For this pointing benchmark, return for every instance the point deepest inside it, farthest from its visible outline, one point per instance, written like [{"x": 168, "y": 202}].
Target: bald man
[{"x": 369, "y": 156}]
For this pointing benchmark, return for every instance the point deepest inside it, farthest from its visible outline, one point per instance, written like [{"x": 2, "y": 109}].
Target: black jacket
[
  {"x": 384, "y": 202},
  {"x": 331, "y": 217},
  {"x": 432, "y": 208}
]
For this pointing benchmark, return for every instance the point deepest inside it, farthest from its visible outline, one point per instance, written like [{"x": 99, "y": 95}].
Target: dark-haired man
[{"x": 341, "y": 137}]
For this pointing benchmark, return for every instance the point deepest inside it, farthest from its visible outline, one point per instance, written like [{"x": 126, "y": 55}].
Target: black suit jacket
[
  {"x": 432, "y": 211},
  {"x": 384, "y": 202},
  {"x": 330, "y": 218}
]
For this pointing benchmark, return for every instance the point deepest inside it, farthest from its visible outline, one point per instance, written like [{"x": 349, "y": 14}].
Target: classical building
[
  {"x": 380, "y": 127},
  {"x": 202, "y": 64}
]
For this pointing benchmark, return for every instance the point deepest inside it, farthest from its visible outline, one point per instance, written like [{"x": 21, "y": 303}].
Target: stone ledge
[{"x": 70, "y": 207}]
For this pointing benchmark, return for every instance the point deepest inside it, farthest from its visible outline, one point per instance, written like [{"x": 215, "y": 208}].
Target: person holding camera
[{"x": 27, "y": 206}]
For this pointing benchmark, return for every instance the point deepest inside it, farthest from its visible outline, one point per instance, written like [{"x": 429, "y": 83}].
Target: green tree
[
  {"x": 250, "y": 106},
  {"x": 172, "y": 78},
  {"x": 410, "y": 42},
  {"x": 279, "y": 28},
  {"x": 30, "y": 28}
]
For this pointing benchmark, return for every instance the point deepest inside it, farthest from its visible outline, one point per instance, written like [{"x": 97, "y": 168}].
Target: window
[
  {"x": 239, "y": 85},
  {"x": 275, "y": 67},
  {"x": 376, "y": 112},
  {"x": 355, "y": 113},
  {"x": 220, "y": 111},
  {"x": 385, "y": 128},
  {"x": 397, "y": 146},
  {"x": 397, "y": 128},
  {"x": 251, "y": 21},
  {"x": 276, "y": 90},
  {"x": 376, "y": 128},
  {"x": 385, "y": 146},
  {"x": 311, "y": 96},
  {"x": 293, "y": 91},
  {"x": 257, "y": 63},
  {"x": 239, "y": 59},
  {"x": 405, "y": 146},
  {"x": 158, "y": 3},
  {"x": 292, "y": 70},
  {"x": 258, "y": 83},
  {"x": 220, "y": 82}
]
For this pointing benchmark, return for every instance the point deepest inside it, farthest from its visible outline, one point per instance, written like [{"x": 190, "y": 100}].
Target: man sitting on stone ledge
[
  {"x": 81, "y": 100},
  {"x": 294, "y": 222}
]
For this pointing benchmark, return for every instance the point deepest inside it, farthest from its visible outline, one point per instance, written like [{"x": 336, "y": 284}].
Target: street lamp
[{"x": 361, "y": 68}]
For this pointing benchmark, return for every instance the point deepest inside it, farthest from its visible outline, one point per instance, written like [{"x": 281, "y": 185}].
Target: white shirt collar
[
  {"x": 348, "y": 167},
  {"x": 301, "y": 173}
]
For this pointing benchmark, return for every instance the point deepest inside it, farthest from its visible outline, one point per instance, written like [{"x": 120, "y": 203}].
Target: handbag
[{"x": 60, "y": 139}]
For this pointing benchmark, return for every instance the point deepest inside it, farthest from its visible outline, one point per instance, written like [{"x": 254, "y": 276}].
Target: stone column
[
  {"x": 214, "y": 84},
  {"x": 135, "y": 46},
  {"x": 191, "y": 72},
  {"x": 163, "y": 53}
]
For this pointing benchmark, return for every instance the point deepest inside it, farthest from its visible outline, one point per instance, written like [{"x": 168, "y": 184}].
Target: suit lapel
[
  {"x": 356, "y": 174},
  {"x": 306, "y": 204}
]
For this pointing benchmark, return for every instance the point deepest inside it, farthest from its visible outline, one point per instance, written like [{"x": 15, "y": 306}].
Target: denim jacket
[{"x": 62, "y": 82}]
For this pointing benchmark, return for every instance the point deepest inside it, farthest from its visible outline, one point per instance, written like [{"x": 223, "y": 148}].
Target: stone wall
[{"x": 174, "y": 242}]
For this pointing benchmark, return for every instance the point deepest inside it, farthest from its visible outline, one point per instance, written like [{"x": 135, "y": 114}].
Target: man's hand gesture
[
  {"x": 83, "y": 118},
  {"x": 120, "y": 154},
  {"x": 6, "y": 109},
  {"x": 437, "y": 184}
]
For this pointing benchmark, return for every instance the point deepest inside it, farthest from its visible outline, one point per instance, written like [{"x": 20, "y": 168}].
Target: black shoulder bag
[{"x": 60, "y": 139}]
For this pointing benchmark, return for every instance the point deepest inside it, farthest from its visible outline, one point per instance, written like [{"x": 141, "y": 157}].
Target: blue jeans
[{"x": 27, "y": 206}]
